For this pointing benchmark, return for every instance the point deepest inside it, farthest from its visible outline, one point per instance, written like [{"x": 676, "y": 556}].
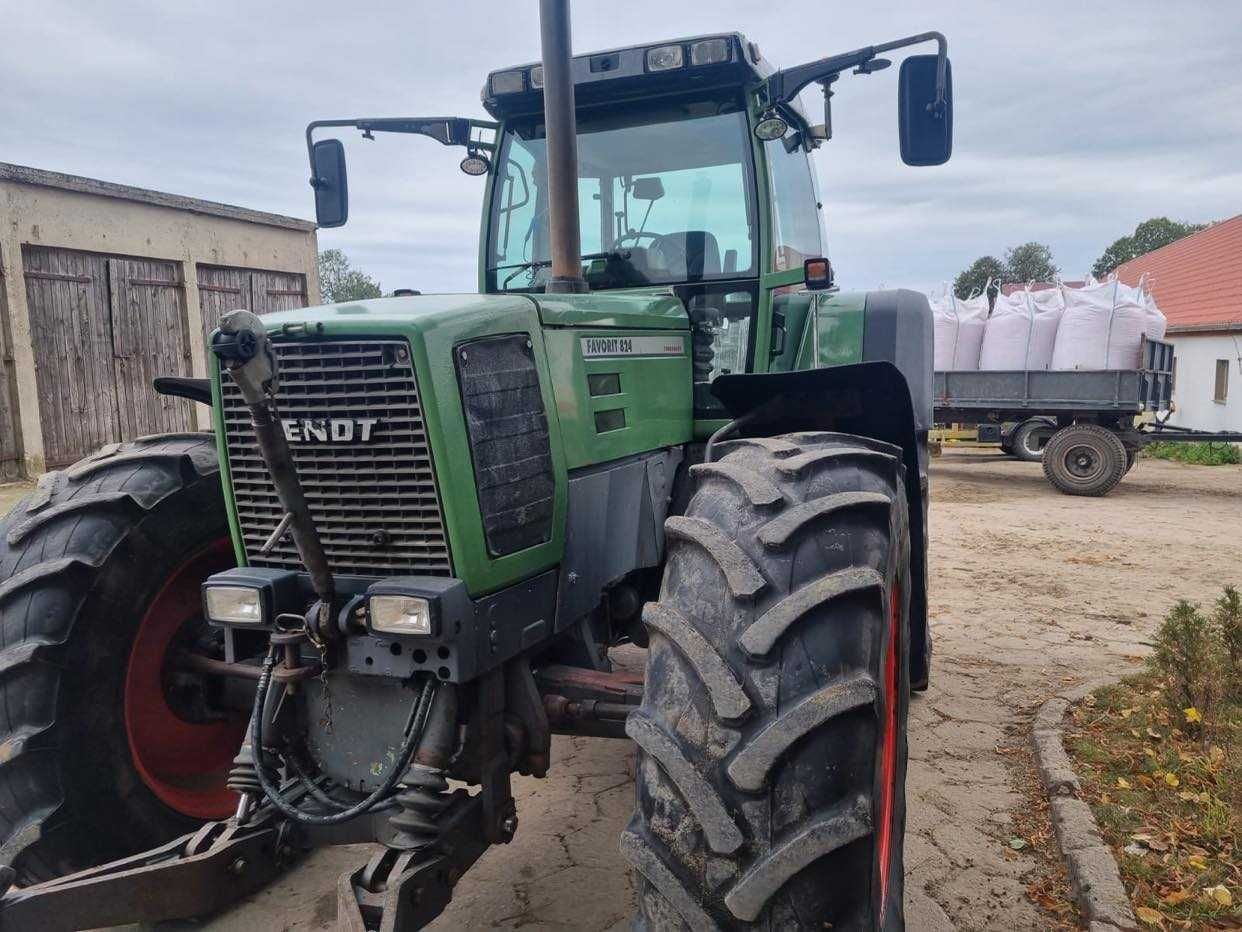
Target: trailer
[{"x": 1086, "y": 426}]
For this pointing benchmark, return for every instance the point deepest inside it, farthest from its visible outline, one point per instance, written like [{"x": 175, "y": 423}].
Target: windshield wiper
[{"x": 534, "y": 264}]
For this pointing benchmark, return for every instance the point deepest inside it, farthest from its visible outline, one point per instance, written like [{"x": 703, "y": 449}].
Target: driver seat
[{"x": 700, "y": 248}]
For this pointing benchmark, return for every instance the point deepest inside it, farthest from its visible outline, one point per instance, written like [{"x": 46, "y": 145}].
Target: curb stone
[{"x": 1101, "y": 896}]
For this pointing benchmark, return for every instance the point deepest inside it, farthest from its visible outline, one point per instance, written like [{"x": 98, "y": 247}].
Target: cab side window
[{"x": 795, "y": 211}]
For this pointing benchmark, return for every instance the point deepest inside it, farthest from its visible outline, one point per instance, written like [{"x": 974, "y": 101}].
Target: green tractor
[{"x": 422, "y": 522}]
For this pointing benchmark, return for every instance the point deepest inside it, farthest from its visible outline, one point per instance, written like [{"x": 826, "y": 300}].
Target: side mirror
[
  {"x": 647, "y": 189},
  {"x": 329, "y": 182},
  {"x": 924, "y": 125}
]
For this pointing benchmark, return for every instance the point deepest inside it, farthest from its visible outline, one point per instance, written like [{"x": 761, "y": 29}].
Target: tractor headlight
[
  {"x": 251, "y": 595},
  {"x": 400, "y": 614},
  {"x": 711, "y": 52},
  {"x": 665, "y": 58},
  {"x": 234, "y": 605},
  {"x": 508, "y": 82}
]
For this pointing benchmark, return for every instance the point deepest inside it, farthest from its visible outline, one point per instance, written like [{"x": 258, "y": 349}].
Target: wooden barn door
[
  {"x": 222, "y": 289},
  {"x": 71, "y": 329},
  {"x": 103, "y": 328},
  {"x": 10, "y": 434},
  {"x": 148, "y": 340},
  {"x": 277, "y": 291}
]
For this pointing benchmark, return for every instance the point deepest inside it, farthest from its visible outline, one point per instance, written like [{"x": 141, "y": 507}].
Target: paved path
[{"x": 1031, "y": 590}]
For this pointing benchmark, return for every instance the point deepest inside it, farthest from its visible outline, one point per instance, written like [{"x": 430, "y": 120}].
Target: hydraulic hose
[{"x": 413, "y": 732}]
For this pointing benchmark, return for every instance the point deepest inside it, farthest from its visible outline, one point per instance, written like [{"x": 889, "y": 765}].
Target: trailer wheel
[
  {"x": 1026, "y": 440},
  {"x": 1084, "y": 459},
  {"x": 106, "y": 748},
  {"x": 772, "y": 734}
]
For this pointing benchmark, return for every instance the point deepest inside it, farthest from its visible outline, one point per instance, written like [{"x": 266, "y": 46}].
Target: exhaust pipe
[{"x": 560, "y": 128}]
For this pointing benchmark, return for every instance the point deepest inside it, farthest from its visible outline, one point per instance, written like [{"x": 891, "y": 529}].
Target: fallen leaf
[
  {"x": 1177, "y": 896},
  {"x": 1126, "y": 713},
  {"x": 1216, "y": 755},
  {"x": 1123, "y": 783},
  {"x": 1192, "y": 714},
  {"x": 1155, "y": 844},
  {"x": 1171, "y": 780},
  {"x": 1017, "y": 844},
  {"x": 1148, "y": 915},
  {"x": 1152, "y": 733},
  {"x": 1220, "y": 893},
  {"x": 1188, "y": 796},
  {"x": 1135, "y": 851},
  {"x": 1197, "y": 861}
]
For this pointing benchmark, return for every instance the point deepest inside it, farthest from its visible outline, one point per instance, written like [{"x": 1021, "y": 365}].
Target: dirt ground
[{"x": 1030, "y": 591}]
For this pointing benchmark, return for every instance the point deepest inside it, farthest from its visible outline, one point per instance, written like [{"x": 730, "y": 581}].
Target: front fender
[{"x": 870, "y": 399}]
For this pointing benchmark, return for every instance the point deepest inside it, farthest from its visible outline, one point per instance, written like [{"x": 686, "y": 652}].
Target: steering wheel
[{"x": 636, "y": 235}]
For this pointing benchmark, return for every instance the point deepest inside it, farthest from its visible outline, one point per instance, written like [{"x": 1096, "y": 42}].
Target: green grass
[{"x": 1201, "y": 454}]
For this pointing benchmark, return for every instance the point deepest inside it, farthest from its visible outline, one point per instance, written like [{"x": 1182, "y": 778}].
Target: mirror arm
[
  {"x": 448, "y": 131},
  {"x": 785, "y": 85}
]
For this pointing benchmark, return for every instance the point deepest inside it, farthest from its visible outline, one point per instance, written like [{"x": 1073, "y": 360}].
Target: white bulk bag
[
  {"x": 1022, "y": 330},
  {"x": 1157, "y": 323},
  {"x": 1102, "y": 327},
  {"x": 958, "y": 331}
]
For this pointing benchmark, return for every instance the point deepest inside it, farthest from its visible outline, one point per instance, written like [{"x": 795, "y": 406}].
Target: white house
[{"x": 1197, "y": 282}]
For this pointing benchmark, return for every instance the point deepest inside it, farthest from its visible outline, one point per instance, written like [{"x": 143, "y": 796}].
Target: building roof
[
  {"x": 37, "y": 176},
  {"x": 1197, "y": 280}
]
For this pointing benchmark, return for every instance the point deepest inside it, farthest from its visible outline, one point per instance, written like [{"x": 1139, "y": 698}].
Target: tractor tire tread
[
  {"x": 54, "y": 545},
  {"x": 745, "y": 682}
]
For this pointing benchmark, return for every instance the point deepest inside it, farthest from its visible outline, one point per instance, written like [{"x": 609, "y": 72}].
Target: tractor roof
[{"x": 670, "y": 66}]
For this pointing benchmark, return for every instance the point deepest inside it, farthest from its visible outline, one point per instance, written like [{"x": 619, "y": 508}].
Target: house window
[{"x": 1221, "y": 390}]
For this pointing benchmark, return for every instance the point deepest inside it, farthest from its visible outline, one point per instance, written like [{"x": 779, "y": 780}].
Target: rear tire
[
  {"x": 772, "y": 734},
  {"x": 1084, "y": 459},
  {"x": 98, "y": 570},
  {"x": 1025, "y": 440}
]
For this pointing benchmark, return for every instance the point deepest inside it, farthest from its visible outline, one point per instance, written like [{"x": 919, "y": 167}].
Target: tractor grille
[{"x": 374, "y": 501}]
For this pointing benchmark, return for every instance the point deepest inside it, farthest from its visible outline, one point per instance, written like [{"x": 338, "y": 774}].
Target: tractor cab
[{"x": 693, "y": 176}]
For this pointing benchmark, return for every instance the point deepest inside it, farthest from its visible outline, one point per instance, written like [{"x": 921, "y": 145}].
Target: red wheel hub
[
  {"x": 888, "y": 748},
  {"x": 184, "y": 763}
]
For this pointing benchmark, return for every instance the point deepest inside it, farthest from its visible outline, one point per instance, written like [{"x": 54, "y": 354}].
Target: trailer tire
[
  {"x": 1084, "y": 459},
  {"x": 1024, "y": 440},
  {"x": 772, "y": 733},
  {"x": 99, "y": 575}
]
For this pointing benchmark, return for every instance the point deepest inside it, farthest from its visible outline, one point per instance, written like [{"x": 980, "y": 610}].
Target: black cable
[
  {"x": 414, "y": 729},
  {"x": 313, "y": 788}
]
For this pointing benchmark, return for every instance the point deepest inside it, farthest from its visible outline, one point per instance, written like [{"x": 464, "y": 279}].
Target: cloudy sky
[{"x": 1074, "y": 121}]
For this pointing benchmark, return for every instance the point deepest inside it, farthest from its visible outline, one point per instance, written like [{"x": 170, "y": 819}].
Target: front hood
[
  {"x": 424, "y": 311},
  {"x": 637, "y": 310}
]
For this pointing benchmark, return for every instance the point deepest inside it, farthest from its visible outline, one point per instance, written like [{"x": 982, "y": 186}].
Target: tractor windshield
[{"x": 664, "y": 196}]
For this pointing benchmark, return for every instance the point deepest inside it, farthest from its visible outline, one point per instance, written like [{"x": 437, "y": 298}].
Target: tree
[
  {"x": 1148, "y": 235},
  {"x": 339, "y": 281},
  {"x": 1030, "y": 262},
  {"x": 973, "y": 280}
]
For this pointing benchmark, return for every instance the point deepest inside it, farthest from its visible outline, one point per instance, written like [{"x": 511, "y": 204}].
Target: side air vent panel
[{"x": 507, "y": 426}]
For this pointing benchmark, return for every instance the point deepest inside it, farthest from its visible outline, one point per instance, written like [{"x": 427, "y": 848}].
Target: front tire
[
  {"x": 772, "y": 734},
  {"x": 99, "y": 586}
]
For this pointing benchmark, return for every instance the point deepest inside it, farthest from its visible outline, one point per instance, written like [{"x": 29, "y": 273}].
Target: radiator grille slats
[{"x": 374, "y": 502}]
